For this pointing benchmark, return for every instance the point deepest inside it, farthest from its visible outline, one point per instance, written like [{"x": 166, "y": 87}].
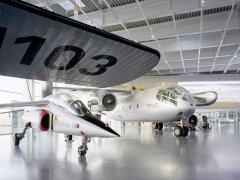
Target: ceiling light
[
  {"x": 80, "y": 3},
  {"x": 152, "y": 35},
  {"x": 67, "y": 5},
  {"x": 203, "y": 2}
]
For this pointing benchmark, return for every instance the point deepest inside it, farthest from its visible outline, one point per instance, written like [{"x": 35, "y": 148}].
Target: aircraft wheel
[
  {"x": 69, "y": 137},
  {"x": 83, "y": 153},
  {"x": 178, "y": 131},
  {"x": 185, "y": 131},
  {"x": 82, "y": 150},
  {"x": 160, "y": 126},
  {"x": 16, "y": 140}
]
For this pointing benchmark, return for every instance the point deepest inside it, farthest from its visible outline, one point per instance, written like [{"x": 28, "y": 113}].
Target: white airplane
[
  {"x": 38, "y": 44},
  {"x": 62, "y": 113},
  {"x": 159, "y": 104}
]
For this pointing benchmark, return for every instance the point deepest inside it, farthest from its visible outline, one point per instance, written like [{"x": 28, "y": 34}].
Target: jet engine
[
  {"x": 193, "y": 121},
  {"x": 40, "y": 119},
  {"x": 109, "y": 102}
]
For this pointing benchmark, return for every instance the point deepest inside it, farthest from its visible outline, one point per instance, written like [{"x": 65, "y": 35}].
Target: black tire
[
  {"x": 160, "y": 126},
  {"x": 83, "y": 153},
  {"x": 178, "y": 131},
  {"x": 16, "y": 140},
  {"x": 69, "y": 137},
  {"x": 185, "y": 131}
]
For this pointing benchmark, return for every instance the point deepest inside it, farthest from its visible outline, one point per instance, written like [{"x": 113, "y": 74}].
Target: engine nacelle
[
  {"x": 193, "y": 120},
  {"x": 109, "y": 102},
  {"x": 40, "y": 119}
]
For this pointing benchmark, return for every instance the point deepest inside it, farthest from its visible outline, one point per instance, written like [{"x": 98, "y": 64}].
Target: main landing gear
[
  {"x": 68, "y": 137},
  {"x": 158, "y": 126},
  {"x": 20, "y": 136},
  {"x": 180, "y": 130},
  {"x": 82, "y": 150}
]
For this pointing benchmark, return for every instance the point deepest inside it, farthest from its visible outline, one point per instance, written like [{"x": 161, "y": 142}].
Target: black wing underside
[{"x": 38, "y": 44}]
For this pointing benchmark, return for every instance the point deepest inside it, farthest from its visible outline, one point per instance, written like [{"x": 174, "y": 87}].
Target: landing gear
[
  {"x": 68, "y": 137},
  {"x": 20, "y": 136},
  {"x": 185, "y": 131},
  {"x": 180, "y": 130},
  {"x": 82, "y": 150},
  {"x": 159, "y": 126}
]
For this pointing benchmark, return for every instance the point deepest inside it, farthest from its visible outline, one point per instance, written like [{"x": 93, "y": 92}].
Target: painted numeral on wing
[
  {"x": 33, "y": 48},
  {"x": 57, "y": 52},
  {"x": 2, "y": 35},
  {"x": 101, "y": 67}
]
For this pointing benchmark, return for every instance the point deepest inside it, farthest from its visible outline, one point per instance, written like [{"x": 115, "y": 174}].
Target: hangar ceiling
[{"x": 193, "y": 36}]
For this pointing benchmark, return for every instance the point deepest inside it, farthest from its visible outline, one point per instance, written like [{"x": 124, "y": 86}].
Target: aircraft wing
[
  {"x": 223, "y": 106},
  {"x": 25, "y": 104},
  {"x": 39, "y": 44},
  {"x": 90, "y": 89},
  {"x": 205, "y": 98}
]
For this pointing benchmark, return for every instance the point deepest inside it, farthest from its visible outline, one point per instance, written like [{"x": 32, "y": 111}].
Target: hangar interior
[{"x": 199, "y": 42}]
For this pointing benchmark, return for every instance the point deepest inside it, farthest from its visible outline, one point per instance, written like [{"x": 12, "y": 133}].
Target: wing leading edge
[
  {"x": 25, "y": 104},
  {"x": 38, "y": 44}
]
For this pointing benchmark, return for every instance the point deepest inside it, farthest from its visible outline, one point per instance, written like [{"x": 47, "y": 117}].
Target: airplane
[
  {"x": 61, "y": 113},
  {"x": 159, "y": 104},
  {"x": 42, "y": 45}
]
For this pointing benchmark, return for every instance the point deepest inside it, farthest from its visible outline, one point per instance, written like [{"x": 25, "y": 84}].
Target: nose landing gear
[
  {"x": 82, "y": 150},
  {"x": 180, "y": 130},
  {"x": 158, "y": 126},
  {"x": 20, "y": 136}
]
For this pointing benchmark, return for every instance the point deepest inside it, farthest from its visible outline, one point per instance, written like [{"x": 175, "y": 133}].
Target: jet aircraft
[
  {"x": 61, "y": 113},
  {"x": 42, "y": 45},
  {"x": 159, "y": 104}
]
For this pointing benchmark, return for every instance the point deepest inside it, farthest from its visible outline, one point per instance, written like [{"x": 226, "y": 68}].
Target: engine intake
[
  {"x": 109, "y": 102},
  {"x": 193, "y": 121}
]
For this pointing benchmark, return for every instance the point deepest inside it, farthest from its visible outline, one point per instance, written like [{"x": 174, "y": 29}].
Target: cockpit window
[
  {"x": 167, "y": 95},
  {"x": 77, "y": 108},
  {"x": 71, "y": 104},
  {"x": 185, "y": 98},
  {"x": 177, "y": 92},
  {"x": 173, "y": 96}
]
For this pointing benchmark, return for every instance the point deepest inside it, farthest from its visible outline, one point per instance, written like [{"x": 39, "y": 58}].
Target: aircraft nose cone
[
  {"x": 112, "y": 132},
  {"x": 188, "y": 111},
  {"x": 103, "y": 129}
]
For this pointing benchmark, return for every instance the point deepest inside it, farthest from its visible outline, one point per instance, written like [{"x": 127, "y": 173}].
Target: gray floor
[{"x": 139, "y": 154}]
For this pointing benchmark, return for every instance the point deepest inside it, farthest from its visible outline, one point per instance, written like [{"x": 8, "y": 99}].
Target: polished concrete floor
[{"x": 138, "y": 155}]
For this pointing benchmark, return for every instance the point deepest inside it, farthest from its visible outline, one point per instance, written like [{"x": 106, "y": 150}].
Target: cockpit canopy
[
  {"x": 172, "y": 94},
  {"x": 70, "y": 103}
]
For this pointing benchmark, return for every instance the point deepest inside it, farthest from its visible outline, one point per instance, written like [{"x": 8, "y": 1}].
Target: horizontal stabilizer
[
  {"x": 205, "y": 98},
  {"x": 38, "y": 44}
]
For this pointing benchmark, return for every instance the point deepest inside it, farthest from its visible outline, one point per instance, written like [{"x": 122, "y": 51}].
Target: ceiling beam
[
  {"x": 119, "y": 20},
  {"x": 84, "y": 13},
  {"x": 175, "y": 30},
  {"x": 200, "y": 37},
  {"x": 153, "y": 35},
  {"x": 224, "y": 32}
]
